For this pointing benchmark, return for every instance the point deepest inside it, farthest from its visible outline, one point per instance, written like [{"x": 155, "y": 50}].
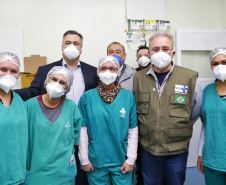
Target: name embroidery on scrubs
[
  {"x": 123, "y": 113},
  {"x": 67, "y": 126},
  {"x": 182, "y": 89}
]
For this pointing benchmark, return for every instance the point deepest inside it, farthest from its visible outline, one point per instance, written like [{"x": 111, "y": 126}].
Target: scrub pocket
[
  {"x": 124, "y": 144},
  {"x": 27, "y": 180},
  {"x": 93, "y": 148},
  {"x": 72, "y": 170}
]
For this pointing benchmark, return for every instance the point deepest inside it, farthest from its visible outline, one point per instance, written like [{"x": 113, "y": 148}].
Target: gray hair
[
  {"x": 217, "y": 51},
  {"x": 162, "y": 33}
]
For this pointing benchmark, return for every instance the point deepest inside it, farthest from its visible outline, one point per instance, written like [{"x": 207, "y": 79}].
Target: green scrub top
[
  {"x": 213, "y": 114},
  {"x": 51, "y": 145},
  {"x": 108, "y": 126},
  {"x": 13, "y": 144}
]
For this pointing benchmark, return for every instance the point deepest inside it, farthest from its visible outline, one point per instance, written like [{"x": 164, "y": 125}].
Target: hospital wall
[
  {"x": 101, "y": 22},
  {"x": 223, "y": 14}
]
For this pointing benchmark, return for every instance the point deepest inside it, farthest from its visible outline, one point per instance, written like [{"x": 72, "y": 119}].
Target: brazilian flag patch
[{"x": 180, "y": 99}]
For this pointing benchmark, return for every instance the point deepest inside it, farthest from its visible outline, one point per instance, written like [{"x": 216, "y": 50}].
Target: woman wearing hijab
[
  {"x": 54, "y": 125},
  {"x": 212, "y": 156},
  {"x": 13, "y": 123},
  {"x": 109, "y": 133}
]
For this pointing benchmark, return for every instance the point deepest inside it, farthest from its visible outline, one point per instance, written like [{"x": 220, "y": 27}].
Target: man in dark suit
[{"x": 85, "y": 78}]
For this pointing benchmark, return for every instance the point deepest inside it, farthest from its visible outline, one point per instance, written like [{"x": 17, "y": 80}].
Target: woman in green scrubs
[
  {"x": 109, "y": 133},
  {"x": 54, "y": 125},
  {"x": 212, "y": 156},
  {"x": 13, "y": 123}
]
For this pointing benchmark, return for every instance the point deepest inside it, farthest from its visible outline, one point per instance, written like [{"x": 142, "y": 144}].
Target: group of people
[{"x": 91, "y": 125}]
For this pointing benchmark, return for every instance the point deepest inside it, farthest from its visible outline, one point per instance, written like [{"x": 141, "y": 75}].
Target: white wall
[
  {"x": 223, "y": 13},
  {"x": 203, "y": 14},
  {"x": 44, "y": 23},
  {"x": 100, "y": 22}
]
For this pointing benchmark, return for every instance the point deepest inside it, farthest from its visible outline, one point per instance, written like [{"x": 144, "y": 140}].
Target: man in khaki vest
[{"x": 169, "y": 101}]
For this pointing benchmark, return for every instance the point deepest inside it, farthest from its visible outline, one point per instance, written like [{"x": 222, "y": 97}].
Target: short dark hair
[
  {"x": 73, "y": 32},
  {"x": 142, "y": 47},
  {"x": 116, "y": 43}
]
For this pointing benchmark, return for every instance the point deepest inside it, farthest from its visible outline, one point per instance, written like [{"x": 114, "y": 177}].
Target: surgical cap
[
  {"x": 217, "y": 51},
  {"x": 62, "y": 71},
  {"x": 7, "y": 56},
  {"x": 111, "y": 59}
]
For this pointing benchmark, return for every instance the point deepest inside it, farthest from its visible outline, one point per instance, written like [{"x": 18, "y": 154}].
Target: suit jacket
[{"x": 37, "y": 85}]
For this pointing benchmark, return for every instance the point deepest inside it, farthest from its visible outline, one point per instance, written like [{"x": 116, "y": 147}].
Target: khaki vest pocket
[
  {"x": 183, "y": 145},
  {"x": 181, "y": 132},
  {"x": 143, "y": 103},
  {"x": 179, "y": 110},
  {"x": 177, "y": 137}
]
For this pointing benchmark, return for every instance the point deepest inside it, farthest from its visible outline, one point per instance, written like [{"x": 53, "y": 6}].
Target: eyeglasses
[
  {"x": 164, "y": 49},
  {"x": 111, "y": 68}
]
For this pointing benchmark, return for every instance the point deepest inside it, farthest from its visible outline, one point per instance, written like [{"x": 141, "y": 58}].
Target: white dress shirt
[{"x": 78, "y": 86}]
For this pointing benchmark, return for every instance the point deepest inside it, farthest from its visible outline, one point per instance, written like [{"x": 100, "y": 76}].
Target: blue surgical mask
[{"x": 118, "y": 58}]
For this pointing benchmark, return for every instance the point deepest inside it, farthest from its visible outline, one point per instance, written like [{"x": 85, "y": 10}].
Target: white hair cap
[
  {"x": 7, "y": 56},
  {"x": 217, "y": 51},
  {"x": 111, "y": 59},
  {"x": 63, "y": 71}
]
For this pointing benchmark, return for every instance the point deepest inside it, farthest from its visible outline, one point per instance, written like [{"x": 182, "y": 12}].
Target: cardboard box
[{"x": 31, "y": 65}]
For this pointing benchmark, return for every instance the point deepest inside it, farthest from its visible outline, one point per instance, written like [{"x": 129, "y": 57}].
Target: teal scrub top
[
  {"x": 51, "y": 145},
  {"x": 108, "y": 126},
  {"x": 13, "y": 144},
  {"x": 213, "y": 114}
]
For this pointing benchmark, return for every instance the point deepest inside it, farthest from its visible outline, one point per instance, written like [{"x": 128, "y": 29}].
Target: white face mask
[
  {"x": 144, "y": 61},
  {"x": 160, "y": 59},
  {"x": 55, "y": 90},
  {"x": 71, "y": 52},
  {"x": 107, "y": 77},
  {"x": 7, "y": 82},
  {"x": 220, "y": 72}
]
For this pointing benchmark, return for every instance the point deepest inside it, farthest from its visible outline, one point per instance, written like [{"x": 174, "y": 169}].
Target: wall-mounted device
[
  {"x": 129, "y": 36},
  {"x": 163, "y": 25},
  {"x": 136, "y": 25},
  {"x": 150, "y": 25}
]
